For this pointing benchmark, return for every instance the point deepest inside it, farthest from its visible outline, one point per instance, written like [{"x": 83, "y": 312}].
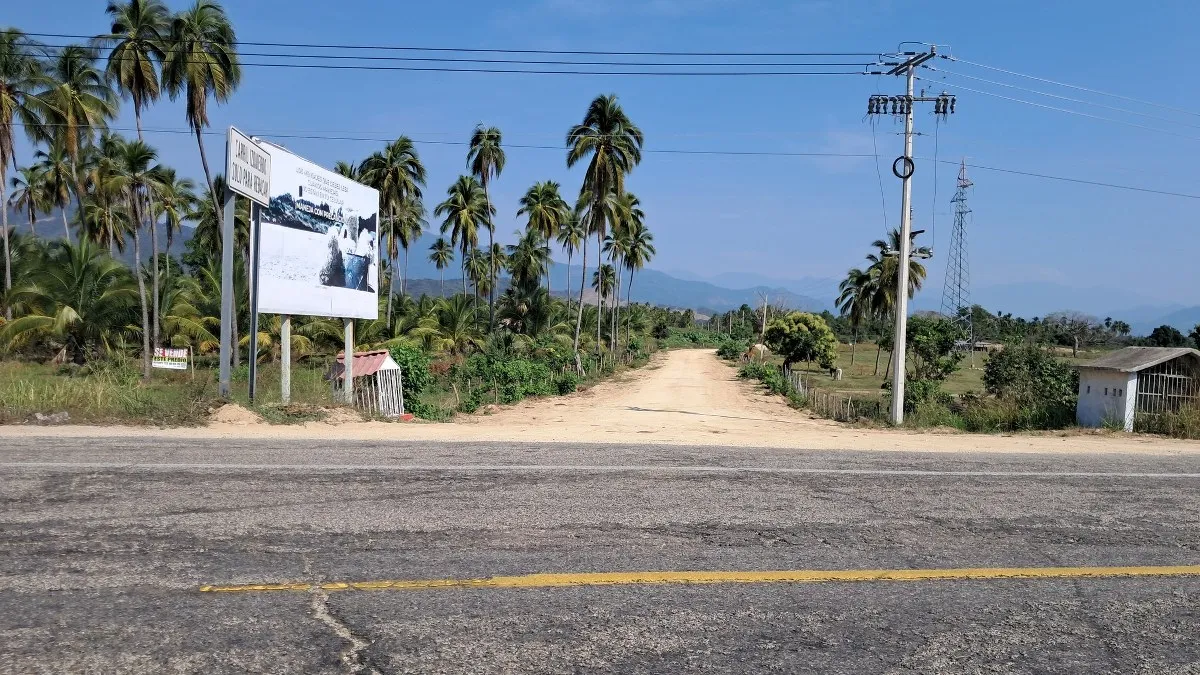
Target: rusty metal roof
[
  {"x": 1133, "y": 359},
  {"x": 365, "y": 363}
]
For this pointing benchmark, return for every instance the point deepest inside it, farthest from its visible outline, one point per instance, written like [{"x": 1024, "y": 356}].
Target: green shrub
[
  {"x": 1042, "y": 388},
  {"x": 733, "y": 350},
  {"x": 567, "y": 383},
  {"x": 414, "y": 369}
]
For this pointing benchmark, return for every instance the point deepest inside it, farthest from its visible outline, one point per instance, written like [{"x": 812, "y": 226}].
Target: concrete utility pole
[
  {"x": 903, "y": 169},
  {"x": 227, "y": 307}
]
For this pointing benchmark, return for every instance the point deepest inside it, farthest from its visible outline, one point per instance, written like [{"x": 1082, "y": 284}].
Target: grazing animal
[{"x": 757, "y": 353}]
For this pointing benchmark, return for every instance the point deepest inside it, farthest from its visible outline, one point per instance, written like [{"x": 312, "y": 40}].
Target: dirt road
[{"x": 686, "y": 397}]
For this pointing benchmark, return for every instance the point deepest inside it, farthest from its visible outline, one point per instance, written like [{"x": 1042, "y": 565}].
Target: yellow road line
[{"x": 722, "y": 577}]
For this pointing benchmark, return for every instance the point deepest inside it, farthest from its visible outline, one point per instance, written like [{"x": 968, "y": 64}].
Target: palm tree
[
  {"x": 546, "y": 211},
  {"x": 631, "y": 217},
  {"x": 202, "y": 61},
  {"x": 885, "y": 270},
  {"x": 106, "y": 217},
  {"x": 78, "y": 103},
  {"x": 616, "y": 245},
  {"x": 20, "y": 76},
  {"x": 138, "y": 35},
  {"x": 466, "y": 208},
  {"x": 641, "y": 251},
  {"x": 442, "y": 252},
  {"x": 451, "y": 327},
  {"x": 78, "y": 295},
  {"x": 854, "y": 300},
  {"x": 174, "y": 199},
  {"x": 569, "y": 236},
  {"x": 347, "y": 169},
  {"x": 486, "y": 160},
  {"x": 528, "y": 259},
  {"x": 604, "y": 280},
  {"x": 614, "y": 145},
  {"x": 54, "y": 167},
  {"x": 135, "y": 169},
  {"x": 398, "y": 175},
  {"x": 476, "y": 266},
  {"x": 29, "y": 195}
]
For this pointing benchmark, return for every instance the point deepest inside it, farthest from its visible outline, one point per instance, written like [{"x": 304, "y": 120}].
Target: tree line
[{"x": 113, "y": 193}]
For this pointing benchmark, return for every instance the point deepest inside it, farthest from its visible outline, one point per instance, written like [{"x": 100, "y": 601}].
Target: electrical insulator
[
  {"x": 953, "y": 100},
  {"x": 895, "y": 104},
  {"x": 871, "y": 106},
  {"x": 937, "y": 106}
]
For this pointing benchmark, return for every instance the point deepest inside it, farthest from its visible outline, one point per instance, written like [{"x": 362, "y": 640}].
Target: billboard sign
[
  {"x": 171, "y": 359},
  {"x": 247, "y": 167},
  {"x": 318, "y": 250}
]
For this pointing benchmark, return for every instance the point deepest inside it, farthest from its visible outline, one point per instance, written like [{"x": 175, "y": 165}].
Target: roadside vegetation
[{"x": 84, "y": 304}]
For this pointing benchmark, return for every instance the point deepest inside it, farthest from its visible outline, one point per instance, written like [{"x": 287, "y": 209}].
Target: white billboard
[{"x": 319, "y": 243}]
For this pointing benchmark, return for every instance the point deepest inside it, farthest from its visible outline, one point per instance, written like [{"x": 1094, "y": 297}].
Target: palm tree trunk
[
  {"x": 616, "y": 310},
  {"x": 599, "y": 290},
  {"x": 7, "y": 253},
  {"x": 629, "y": 305},
  {"x": 878, "y": 349},
  {"x": 442, "y": 285},
  {"x": 491, "y": 258},
  {"x": 568, "y": 279},
  {"x": 463, "y": 265},
  {"x": 404, "y": 277},
  {"x": 137, "y": 263},
  {"x": 579, "y": 317},
  {"x": 391, "y": 262},
  {"x": 208, "y": 178},
  {"x": 853, "y": 342},
  {"x": 154, "y": 280},
  {"x": 66, "y": 227}
]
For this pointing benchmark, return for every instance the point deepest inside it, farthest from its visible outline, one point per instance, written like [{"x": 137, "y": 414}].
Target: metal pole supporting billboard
[
  {"x": 226, "y": 294},
  {"x": 285, "y": 358},
  {"x": 254, "y": 241},
  {"x": 348, "y": 373}
]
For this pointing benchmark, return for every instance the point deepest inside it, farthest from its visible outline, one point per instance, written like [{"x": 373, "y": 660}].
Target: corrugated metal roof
[
  {"x": 1132, "y": 359},
  {"x": 365, "y": 363}
]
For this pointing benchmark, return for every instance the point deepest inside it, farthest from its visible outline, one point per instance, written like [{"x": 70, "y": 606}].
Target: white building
[{"x": 1136, "y": 381}]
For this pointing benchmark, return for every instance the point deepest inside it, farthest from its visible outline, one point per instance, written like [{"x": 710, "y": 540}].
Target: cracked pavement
[{"x": 104, "y": 544}]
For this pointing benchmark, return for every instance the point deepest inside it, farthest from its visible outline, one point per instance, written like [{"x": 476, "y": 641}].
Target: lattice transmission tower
[{"x": 956, "y": 295}]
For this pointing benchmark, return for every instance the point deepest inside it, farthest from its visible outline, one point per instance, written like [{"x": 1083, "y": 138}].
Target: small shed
[
  {"x": 378, "y": 382},
  {"x": 1135, "y": 382}
]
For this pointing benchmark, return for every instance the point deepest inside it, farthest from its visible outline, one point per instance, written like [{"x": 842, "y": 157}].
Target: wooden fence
[{"x": 831, "y": 405}]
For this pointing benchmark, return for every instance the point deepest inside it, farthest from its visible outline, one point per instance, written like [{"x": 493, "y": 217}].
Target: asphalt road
[{"x": 105, "y": 544}]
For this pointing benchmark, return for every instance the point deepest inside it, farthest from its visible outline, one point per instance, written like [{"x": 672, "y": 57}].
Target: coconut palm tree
[
  {"x": 442, "y": 252},
  {"x": 631, "y": 217},
  {"x": 347, "y": 169},
  {"x": 485, "y": 158},
  {"x": 854, "y": 300},
  {"x": 616, "y": 245},
  {"x": 641, "y": 251},
  {"x": 569, "y": 236},
  {"x": 78, "y": 295},
  {"x": 30, "y": 195},
  {"x": 136, "y": 171},
  {"x": 138, "y": 45},
  {"x": 528, "y": 259},
  {"x": 174, "y": 198},
  {"x": 451, "y": 327},
  {"x": 107, "y": 218},
  {"x": 202, "y": 61},
  {"x": 465, "y": 210},
  {"x": 476, "y": 266},
  {"x": 546, "y": 210},
  {"x": 78, "y": 103},
  {"x": 612, "y": 145},
  {"x": 399, "y": 176},
  {"x": 885, "y": 269},
  {"x": 53, "y": 165},
  {"x": 604, "y": 280},
  {"x": 21, "y": 75}
]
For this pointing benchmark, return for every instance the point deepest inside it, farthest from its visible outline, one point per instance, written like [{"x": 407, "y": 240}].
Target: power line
[
  {"x": 494, "y": 50},
  {"x": 674, "y": 151},
  {"x": 1069, "y": 111},
  {"x": 1072, "y": 86},
  {"x": 1064, "y": 98},
  {"x": 573, "y": 62}
]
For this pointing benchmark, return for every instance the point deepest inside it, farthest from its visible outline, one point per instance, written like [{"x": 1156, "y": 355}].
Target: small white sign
[
  {"x": 248, "y": 167},
  {"x": 171, "y": 359}
]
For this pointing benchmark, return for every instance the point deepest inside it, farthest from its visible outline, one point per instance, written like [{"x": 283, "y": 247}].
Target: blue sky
[{"x": 784, "y": 217}]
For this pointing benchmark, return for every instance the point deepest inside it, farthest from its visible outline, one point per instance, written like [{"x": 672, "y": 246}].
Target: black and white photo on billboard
[{"x": 319, "y": 243}]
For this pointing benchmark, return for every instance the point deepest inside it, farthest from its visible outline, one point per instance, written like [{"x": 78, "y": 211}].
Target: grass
[{"x": 111, "y": 392}]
